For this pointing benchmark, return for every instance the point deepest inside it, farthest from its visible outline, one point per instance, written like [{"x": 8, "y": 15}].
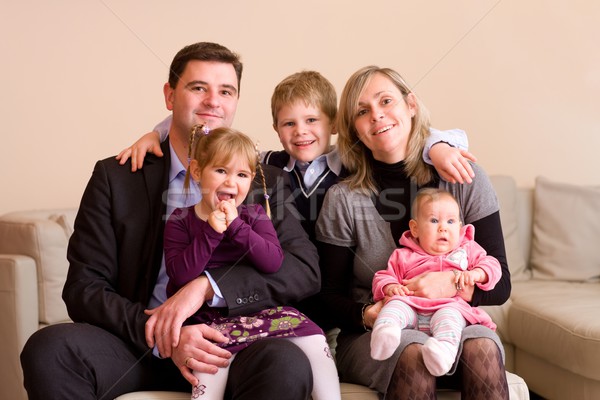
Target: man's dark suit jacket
[{"x": 116, "y": 249}]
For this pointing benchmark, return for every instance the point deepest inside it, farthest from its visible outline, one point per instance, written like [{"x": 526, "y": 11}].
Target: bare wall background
[{"x": 81, "y": 80}]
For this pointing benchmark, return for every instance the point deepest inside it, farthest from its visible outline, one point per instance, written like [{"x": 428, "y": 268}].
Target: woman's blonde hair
[
  {"x": 356, "y": 157},
  {"x": 218, "y": 147}
]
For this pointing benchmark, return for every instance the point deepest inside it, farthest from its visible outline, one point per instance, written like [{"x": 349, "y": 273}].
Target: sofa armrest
[{"x": 20, "y": 318}]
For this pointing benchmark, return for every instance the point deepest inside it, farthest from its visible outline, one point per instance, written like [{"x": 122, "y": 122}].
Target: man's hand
[
  {"x": 198, "y": 352},
  {"x": 164, "y": 325},
  {"x": 451, "y": 163}
]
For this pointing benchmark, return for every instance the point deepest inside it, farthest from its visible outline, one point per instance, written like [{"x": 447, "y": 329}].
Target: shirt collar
[
  {"x": 332, "y": 159},
  {"x": 176, "y": 167}
]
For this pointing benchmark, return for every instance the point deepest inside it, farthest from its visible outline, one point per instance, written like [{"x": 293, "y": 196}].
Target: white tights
[{"x": 325, "y": 379}]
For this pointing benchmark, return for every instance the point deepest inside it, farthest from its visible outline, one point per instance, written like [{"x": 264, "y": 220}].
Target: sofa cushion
[
  {"x": 566, "y": 229},
  {"x": 558, "y": 323},
  {"x": 43, "y": 236},
  {"x": 506, "y": 191}
]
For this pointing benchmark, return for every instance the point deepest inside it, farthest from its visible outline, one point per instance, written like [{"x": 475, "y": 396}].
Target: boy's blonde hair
[
  {"x": 357, "y": 157},
  {"x": 310, "y": 87}
]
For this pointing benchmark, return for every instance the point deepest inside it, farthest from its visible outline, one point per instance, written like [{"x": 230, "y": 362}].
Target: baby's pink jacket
[{"x": 410, "y": 261}]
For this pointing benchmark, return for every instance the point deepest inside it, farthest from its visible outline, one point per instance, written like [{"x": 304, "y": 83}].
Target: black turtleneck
[{"x": 396, "y": 192}]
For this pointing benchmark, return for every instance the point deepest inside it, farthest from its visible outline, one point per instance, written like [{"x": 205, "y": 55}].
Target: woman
[{"x": 382, "y": 129}]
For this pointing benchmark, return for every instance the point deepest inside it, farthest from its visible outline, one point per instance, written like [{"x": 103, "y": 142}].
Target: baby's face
[
  {"x": 304, "y": 131},
  {"x": 437, "y": 226}
]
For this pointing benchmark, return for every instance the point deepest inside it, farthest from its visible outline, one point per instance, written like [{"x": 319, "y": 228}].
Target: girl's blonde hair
[
  {"x": 356, "y": 157},
  {"x": 218, "y": 147}
]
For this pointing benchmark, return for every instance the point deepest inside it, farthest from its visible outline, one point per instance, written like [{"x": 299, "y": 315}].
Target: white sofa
[{"x": 550, "y": 333}]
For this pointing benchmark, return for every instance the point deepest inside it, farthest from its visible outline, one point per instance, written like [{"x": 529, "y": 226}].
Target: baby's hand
[
  {"x": 470, "y": 278},
  {"x": 149, "y": 143},
  {"x": 396, "y": 290}
]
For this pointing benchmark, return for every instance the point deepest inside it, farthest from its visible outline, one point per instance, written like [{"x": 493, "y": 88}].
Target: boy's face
[
  {"x": 437, "y": 226},
  {"x": 304, "y": 131},
  {"x": 206, "y": 93}
]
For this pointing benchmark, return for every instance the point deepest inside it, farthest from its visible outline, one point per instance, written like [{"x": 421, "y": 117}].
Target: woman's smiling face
[{"x": 383, "y": 119}]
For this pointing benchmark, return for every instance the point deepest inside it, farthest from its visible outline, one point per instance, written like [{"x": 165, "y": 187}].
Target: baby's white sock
[
  {"x": 438, "y": 356},
  {"x": 385, "y": 339}
]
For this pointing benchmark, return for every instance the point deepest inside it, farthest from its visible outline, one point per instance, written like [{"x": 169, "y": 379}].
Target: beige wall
[{"x": 83, "y": 79}]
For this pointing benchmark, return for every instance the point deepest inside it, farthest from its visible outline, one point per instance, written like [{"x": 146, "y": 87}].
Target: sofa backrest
[
  {"x": 42, "y": 235},
  {"x": 515, "y": 214}
]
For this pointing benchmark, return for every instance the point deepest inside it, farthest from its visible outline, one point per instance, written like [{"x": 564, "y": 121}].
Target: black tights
[{"x": 480, "y": 374}]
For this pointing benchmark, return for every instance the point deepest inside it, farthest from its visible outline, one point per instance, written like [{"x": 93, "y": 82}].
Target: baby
[{"x": 435, "y": 242}]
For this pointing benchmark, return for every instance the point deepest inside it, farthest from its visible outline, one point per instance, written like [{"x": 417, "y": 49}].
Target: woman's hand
[
  {"x": 164, "y": 325},
  {"x": 149, "y": 143},
  {"x": 370, "y": 314},
  {"x": 437, "y": 285},
  {"x": 451, "y": 163},
  {"x": 197, "y": 351}
]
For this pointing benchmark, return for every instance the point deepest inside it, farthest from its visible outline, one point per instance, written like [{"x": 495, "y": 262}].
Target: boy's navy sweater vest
[{"x": 308, "y": 200}]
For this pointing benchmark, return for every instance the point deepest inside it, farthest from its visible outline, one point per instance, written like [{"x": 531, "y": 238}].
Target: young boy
[{"x": 304, "y": 106}]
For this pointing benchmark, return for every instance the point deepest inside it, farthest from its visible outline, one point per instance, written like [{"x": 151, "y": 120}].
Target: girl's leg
[
  {"x": 439, "y": 351},
  {"x": 326, "y": 385},
  {"x": 211, "y": 387},
  {"x": 482, "y": 370},
  {"x": 393, "y": 317}
]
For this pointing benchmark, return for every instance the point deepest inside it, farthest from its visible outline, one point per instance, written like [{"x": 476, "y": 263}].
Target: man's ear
[
  {"x": 169, "y": 95},
  {"x": 195, "y": 170},
  {"x": 412, "y": 224}
]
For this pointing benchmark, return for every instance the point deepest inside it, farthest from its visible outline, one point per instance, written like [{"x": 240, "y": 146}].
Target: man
[{"x": 117, "y": 271}]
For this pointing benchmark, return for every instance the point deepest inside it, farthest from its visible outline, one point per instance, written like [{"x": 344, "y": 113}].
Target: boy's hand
[
  {"x": 451, "y": 163},
  {"x": 149, "y": 143}
]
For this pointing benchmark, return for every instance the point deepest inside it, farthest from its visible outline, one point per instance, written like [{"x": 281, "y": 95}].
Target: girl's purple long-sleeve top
[{"x": 191, "y": 245}]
